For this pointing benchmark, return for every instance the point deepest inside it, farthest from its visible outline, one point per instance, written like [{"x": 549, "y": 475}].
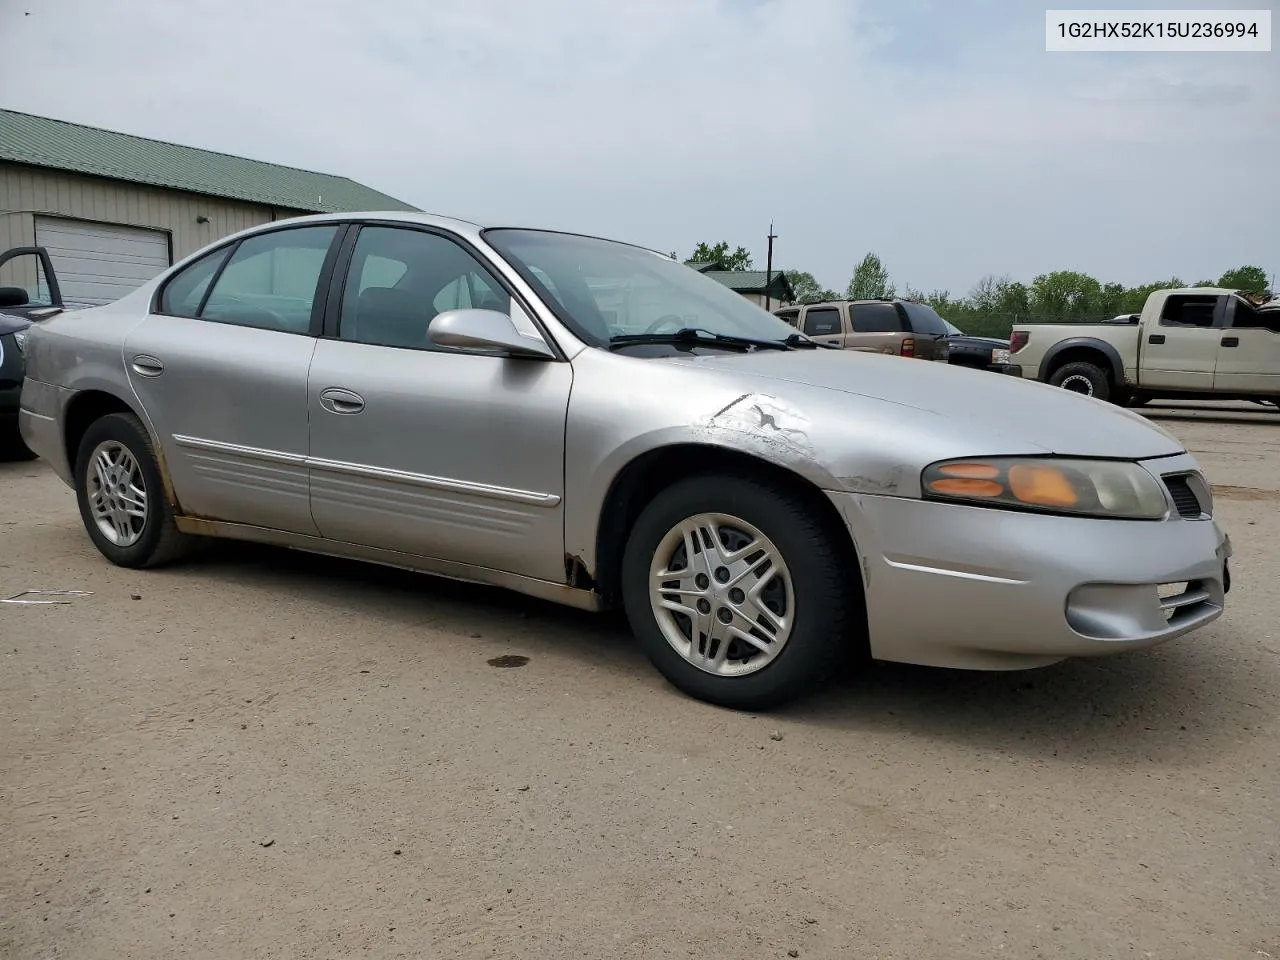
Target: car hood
[
  {"x": 991, "y": 414},
  {"x": 980, "y": 341}
]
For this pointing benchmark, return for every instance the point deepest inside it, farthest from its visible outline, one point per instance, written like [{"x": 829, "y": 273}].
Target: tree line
[{"x": 995, "y": 303}]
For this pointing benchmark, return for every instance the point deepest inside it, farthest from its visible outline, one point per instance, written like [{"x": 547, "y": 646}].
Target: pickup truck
[
  {"x": 900, "y": 328},
  {"x": 1188, "y": 343}
]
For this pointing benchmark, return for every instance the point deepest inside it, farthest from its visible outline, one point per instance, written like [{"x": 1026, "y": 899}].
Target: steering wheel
[{"x": 677, "y": 323}]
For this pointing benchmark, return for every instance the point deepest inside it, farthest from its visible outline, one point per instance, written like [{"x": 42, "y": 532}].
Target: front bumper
[{"x": 971, "y": 587}]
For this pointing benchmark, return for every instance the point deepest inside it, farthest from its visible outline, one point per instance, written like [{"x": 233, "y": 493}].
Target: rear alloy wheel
[
  {"x": 736, "y": 592},
  {"x": 121, "y": 497},
  {"x": 1083, "y": 377}
]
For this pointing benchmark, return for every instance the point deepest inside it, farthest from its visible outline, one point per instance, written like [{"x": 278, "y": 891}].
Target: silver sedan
[{"x": 589, "y": 422}]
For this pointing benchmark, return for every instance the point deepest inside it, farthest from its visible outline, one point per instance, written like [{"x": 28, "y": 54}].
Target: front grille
[{"x": 1184, "y": 498}]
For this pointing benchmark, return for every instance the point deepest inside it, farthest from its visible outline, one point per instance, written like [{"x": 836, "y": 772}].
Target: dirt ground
[{"x": 270, "y": 755}]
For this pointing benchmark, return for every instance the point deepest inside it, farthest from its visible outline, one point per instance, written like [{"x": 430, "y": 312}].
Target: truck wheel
[
  {"x": 736, "y": 591},
  {"x": 1083, "y": 377}
]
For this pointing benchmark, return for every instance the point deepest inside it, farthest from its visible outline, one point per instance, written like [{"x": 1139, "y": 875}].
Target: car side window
[
  {"x": 185, "y": 290},
  {"x": 1182, "y": 310},
  {"x": 788, "y": 316},
  {"x": 822, "y": 321},
  {"x": 392, "y": 306},
  {"x": 270, "y": 281},
  {"x": 875, "y": 318}
]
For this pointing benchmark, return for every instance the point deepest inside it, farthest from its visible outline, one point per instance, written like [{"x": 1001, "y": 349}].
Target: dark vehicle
[
  {"x": 902, "y": 328},
  {"x": 23, "y": 271},
  {"x": 981, "y": 353}
]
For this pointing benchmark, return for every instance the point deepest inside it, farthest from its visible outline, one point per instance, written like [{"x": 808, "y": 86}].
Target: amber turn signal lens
[
  {"x": 958, "y": 487},
  {"x": 971, "y": 471},
  {"x": 1042, "y": 486}
]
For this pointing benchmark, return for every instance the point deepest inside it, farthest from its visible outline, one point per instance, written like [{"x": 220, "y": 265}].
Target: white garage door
[{"x": 97, "y": 263}]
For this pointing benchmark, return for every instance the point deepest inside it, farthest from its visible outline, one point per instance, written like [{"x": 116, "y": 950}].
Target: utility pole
[{"x": 768, "y": 268}]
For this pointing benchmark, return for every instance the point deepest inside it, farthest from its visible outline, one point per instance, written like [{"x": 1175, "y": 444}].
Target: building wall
[{"x": 26, "y": 192}]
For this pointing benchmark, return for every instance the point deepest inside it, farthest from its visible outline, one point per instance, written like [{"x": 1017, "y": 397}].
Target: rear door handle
[
  {"x": 337, "y": 400},
  {"x": 145, "y": 366},
  {"x": 1231, "y": 341},
  {"x": 1156, "y": 338}
]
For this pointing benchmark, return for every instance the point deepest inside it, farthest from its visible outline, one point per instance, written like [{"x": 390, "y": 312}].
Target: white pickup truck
[{"x": 1198, "y": 342}]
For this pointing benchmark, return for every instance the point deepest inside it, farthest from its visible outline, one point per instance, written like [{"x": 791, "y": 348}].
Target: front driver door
[
  {"x": 444, "y": 453},
  {"x": 221, "y": 371}
]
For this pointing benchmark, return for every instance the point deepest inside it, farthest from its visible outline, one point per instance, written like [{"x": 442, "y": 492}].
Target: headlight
[
  {"x": 1088, "y": 488},
  {"x": 20, "y": 338},
  {"x": 1000, "y": 355}
]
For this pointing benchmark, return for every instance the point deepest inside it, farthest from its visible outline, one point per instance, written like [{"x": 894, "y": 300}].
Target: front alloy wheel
[
  {"x": 739, "y": 590},
  {"x": 721, "y": 594}
]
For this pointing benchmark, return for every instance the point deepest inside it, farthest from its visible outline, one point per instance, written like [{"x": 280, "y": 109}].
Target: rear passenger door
[
  {"x": 1180, "y": 352},
  {"x": 824, "y": 324},
  {"x": 220, "y": 367},
  {"x": 877, "y": 327}
]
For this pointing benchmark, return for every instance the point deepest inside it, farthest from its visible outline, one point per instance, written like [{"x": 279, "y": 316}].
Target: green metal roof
[
  {"x": 41, "y": 142},
  {"x": 752, "y": 281}
]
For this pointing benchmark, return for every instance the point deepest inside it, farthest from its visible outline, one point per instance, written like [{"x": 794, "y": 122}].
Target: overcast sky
[{"x": 937, "y": 133}]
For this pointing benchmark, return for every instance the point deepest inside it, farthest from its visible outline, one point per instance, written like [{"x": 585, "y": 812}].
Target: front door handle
[
  {"x": 1156, "y": 338},
  {"x": 145, "y": 366},
  {"x": 1231, "y": 341},
  {"x": 337, "y": 400}
]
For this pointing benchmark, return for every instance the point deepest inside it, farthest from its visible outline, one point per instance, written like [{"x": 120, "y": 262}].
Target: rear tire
[
  {"x": 777, "y": 574},
  {"x": 1084, "y": 378},
  {"x": 122, "y": 497}
]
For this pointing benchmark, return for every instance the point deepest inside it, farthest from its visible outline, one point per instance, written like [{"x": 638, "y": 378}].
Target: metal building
[{"x": 114, "y": 210}]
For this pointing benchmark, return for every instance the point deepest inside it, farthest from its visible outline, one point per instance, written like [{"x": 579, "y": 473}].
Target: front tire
[
  {"x": 121, "y": 496},
  {"x": 1084, "y": 378},
  {"x": 737, "y": 592}
]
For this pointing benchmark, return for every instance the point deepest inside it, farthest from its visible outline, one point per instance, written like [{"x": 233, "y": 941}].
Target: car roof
[{"x": 455, "y": 224}]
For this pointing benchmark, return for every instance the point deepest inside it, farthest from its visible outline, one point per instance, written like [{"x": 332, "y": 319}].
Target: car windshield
[{"x": 602, "y": 289}]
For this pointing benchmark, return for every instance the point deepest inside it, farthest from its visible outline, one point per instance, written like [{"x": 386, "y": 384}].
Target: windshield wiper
[
  {"x": 696, "y": 335},
  {"x": 800, "y": 340}
]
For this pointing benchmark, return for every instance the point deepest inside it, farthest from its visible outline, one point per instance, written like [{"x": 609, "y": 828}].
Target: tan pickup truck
[
  {"x": 1198, "y": 342},
  {"x": 902, "y": 328}
]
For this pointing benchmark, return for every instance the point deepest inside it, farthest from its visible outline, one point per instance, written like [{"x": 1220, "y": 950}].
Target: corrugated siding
[{"x": 25, "y": 191}]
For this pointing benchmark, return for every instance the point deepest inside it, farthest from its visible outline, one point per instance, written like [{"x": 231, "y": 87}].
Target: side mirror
[
  {"x": 13, "y": 297},
  {"x": 485, "y": 330}
]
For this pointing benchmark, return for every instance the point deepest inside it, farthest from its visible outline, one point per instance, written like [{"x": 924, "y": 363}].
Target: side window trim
[{"x": 336, "y": 290}]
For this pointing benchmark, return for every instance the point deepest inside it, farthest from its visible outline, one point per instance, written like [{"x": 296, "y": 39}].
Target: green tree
[
  {"x": 1250, "y": 279},
  {"x": 739, "y": 259},
  {"x": 1136, "y": 297},
  {"x": 807, "y": 288},
  {"x": 1065, "y": 295},
  {"x": 870, "y": 280}
]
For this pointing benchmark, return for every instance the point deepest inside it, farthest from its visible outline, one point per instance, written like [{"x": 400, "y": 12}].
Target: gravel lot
[{"x": 264, "y": 754}]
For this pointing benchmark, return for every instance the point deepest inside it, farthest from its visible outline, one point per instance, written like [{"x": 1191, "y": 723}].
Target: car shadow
[{"x": 1177, "y": 705}]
